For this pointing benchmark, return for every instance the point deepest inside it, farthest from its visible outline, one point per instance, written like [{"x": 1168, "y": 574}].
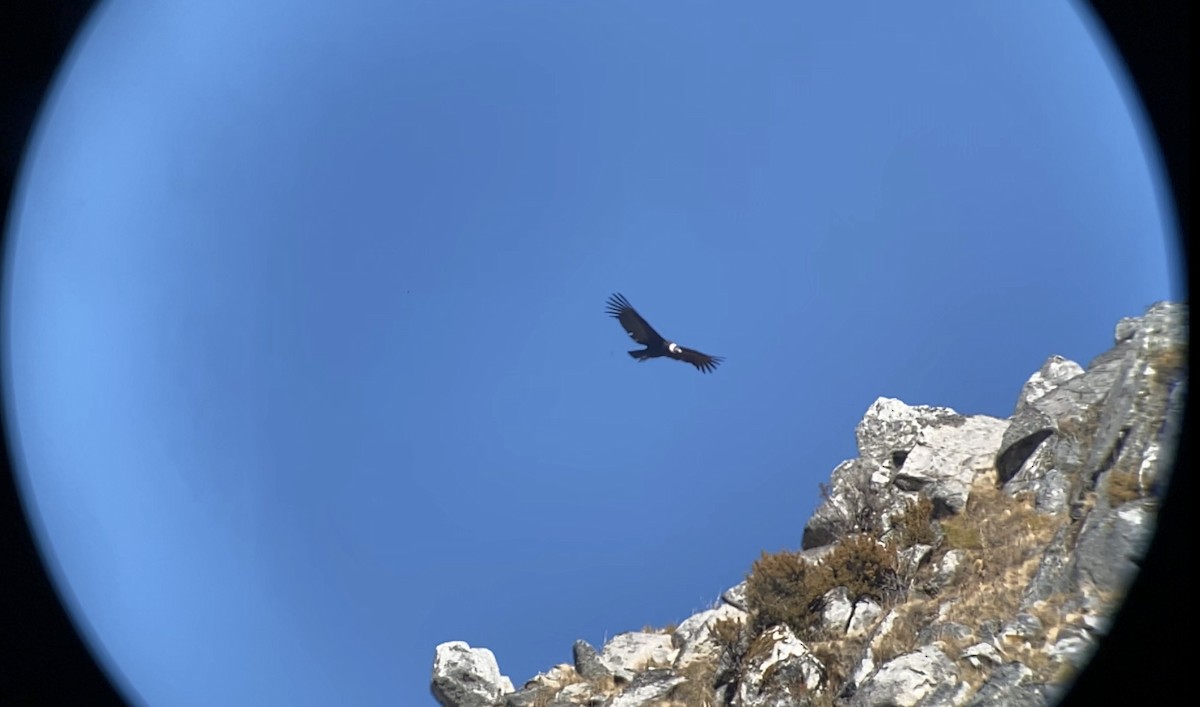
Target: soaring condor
[{"x": 641, "y": 331}]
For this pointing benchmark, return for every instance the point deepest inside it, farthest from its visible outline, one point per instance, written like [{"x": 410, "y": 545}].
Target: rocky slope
[{"x": 958, "y": 560}]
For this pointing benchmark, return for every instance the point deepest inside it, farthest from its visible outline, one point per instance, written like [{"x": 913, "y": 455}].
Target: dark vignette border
[{"x": 43, "y": 660}]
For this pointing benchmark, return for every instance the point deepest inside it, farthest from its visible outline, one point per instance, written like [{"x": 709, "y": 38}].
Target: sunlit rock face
[
  {"x": 999, "y": 551},
  {"x": 467, "y": 677}
]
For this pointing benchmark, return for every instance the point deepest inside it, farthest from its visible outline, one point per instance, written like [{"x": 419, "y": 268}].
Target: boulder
[
  {"x": 627, "y": 654},
  {"x": 467, "y": 677},
  {"x": 908, "y": 680},
  {"x": 779, "y": 669}
]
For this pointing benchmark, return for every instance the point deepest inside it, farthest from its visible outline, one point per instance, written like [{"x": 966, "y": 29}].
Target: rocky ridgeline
[{"x": 959, "y": 560}]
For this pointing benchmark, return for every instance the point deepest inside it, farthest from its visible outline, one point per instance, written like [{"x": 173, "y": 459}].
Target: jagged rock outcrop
[
  {"x": 467, "y": 677},
  {"x": 958, "y": 560},
  {"x": 904, "y": 450}
]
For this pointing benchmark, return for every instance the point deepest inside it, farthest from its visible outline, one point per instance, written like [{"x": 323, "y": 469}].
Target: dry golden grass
[
  {"x": 1033, "y": 652},
  {"x": 1122, "y": 487},
  {"x": 967, "y": 672},
  {"x": 1035, "y": 657},
  {"x": 549, "y": 684},
  {"x": 559, "y": 677},
  {"x": 962, "y": 534},
  {"x": 975, "y": 677},
  {"x": 698, "y": 688},
  {"x": 838, "y": 657},
  {"x": 999, "y": 533},
  {"x": 1048, "y": 612},
  {"x": 562, "y": 676},
  {"x": 911, "y": 617},
  {"x": 1168, "y": 363},
  {"x": 994, "y": 596},
  {"x": 1002, "y": 540}
]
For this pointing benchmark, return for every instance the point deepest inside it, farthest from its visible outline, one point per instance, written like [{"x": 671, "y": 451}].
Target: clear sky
[{"x": 306, "y": 344}]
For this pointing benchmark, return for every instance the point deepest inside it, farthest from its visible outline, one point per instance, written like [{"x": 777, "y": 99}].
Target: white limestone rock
[
  {"x": 1054, "y": 372},
  {"x": 776, "y": 673},
  {"x": 980, "y": 652},
  {"x": 866, "y": 612},
  {"x": 554, "y": 678},
  {"x": 907, "y": 680},
  {"x": 948, "y": 566},
  {"x": 836, "y": 609},
  {"x": 904, "y": 449},
  {"x": 467, "y": 677},
  {"x": 945, "y": 457},
  {"x": 648, "y": 689},
  {"x": 736, "y": 596},
  {"x": 627, "y": 654},
  {"x": 866, "y": 662},
  {"x": 694, "y": 636}
]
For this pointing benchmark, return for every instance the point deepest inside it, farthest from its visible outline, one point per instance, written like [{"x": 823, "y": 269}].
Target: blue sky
[{"x": 306, "y": 349}]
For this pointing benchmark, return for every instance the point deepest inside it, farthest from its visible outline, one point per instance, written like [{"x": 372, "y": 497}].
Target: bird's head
[{"x": 673, "y": 347}]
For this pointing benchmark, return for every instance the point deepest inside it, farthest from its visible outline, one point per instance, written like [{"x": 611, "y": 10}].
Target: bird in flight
[{"x": 641, "y": 331}]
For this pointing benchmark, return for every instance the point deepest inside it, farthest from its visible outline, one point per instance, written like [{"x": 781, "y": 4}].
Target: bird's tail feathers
[{"x": 640, "y": 355}]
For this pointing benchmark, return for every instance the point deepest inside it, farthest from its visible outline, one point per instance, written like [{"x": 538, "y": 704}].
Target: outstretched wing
[
  {"x": 703, "y": 362},
  {"x": 639, "y": 329}
]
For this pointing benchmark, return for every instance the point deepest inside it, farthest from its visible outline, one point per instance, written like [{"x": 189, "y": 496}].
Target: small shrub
[
  {"x": 728, "y": 632},
  {"x": 781, "y": 589},
  {"x": 865, "y": 567},
  {"x": 914, "y": 524},
  {"x": 733, "y": 640},
  {"x": 962, "y": 534},
  {"x": 785, "y": 589}
]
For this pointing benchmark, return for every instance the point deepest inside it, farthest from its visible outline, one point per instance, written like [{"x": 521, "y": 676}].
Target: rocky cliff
[{"x": 958, "y": 560}]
